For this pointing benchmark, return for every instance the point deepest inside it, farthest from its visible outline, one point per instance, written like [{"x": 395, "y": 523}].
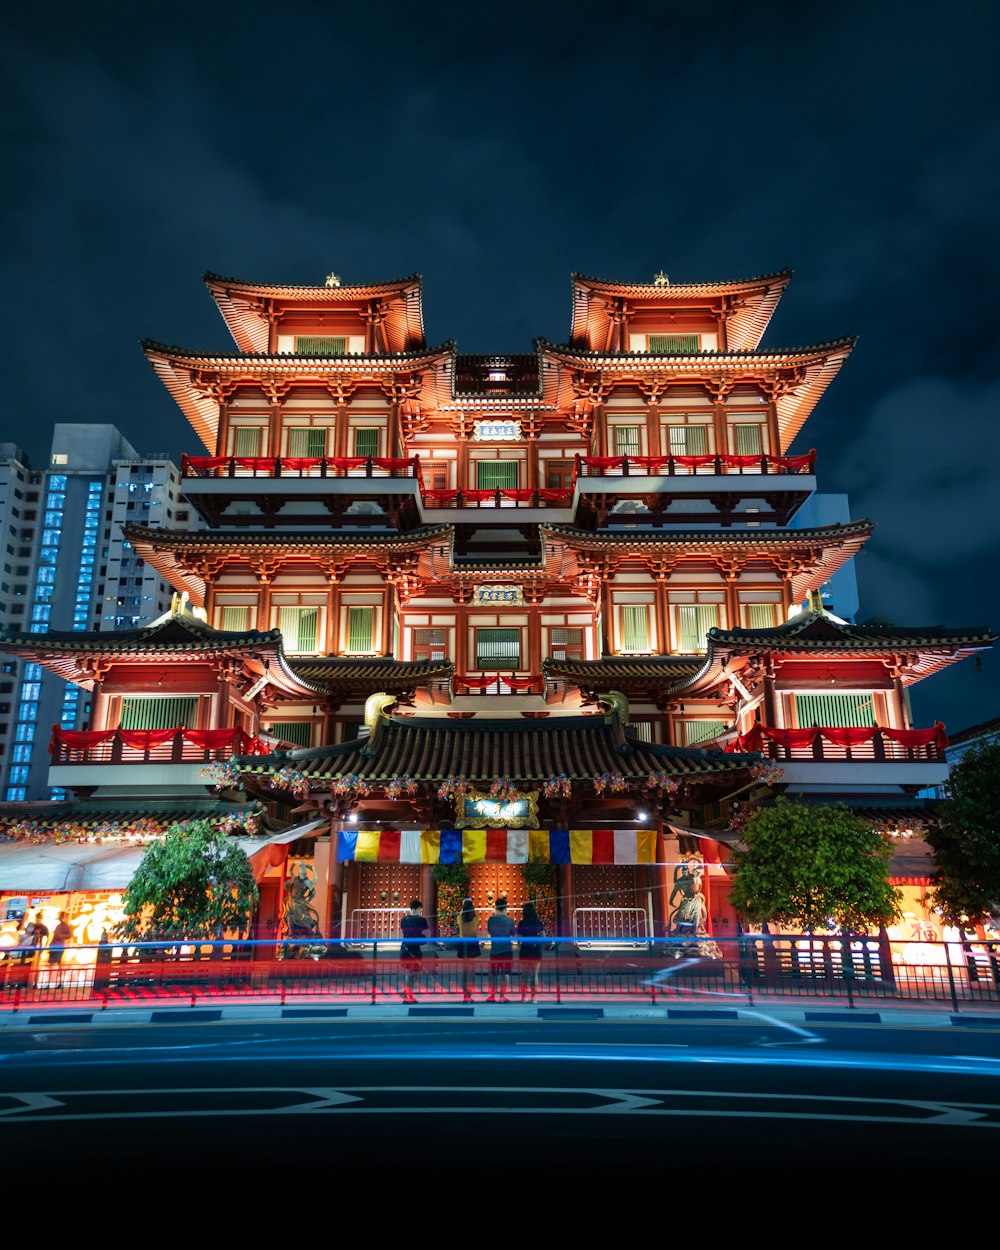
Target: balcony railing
[
  {"x": 150, "y": 746},
  {"x": 851, "y": 743},
  {"x": 497, "y": 498},
  {"x": 495, "y": 683},
  {"x": 687, "y": 466},
  {"x": 300, "y": 466}
]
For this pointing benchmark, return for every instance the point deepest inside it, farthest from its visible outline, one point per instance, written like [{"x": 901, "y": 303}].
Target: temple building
[{"x": 548, "y": 616}]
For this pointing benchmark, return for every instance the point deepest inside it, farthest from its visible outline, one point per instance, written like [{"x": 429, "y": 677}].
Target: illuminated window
[
  {"x": 297, "y": 732},
  {"x": 498, "y": 649},
  {"x": 246, "y": 440},
  {"x": 693, "y": 621},
  {"x": 496, "y": 474},
  {"x": 59, "y": 457},
  {"x": 688, "y": 440},
  {"x": 748, "y": 440},
  {"x": 299, "y": 628},
  {"x": 634, "y": 624},
  {"x": 834, "y": 710},
  {"x": 168, "y": 713},
  {"x": 360, "y": 630},
  {"x": 672, "y": 344},
  {"x": 321, "y": 345},
  {"x": 430, "y": 644},
  {"x": 693, "y": 732},
  {"x": 627, "y": 440},
  {"x": 366, "y": 441},
  {"x": 760, "y": 615},
  {"x": 306, "y": 442},
  {"x": 566, "y": 644}
]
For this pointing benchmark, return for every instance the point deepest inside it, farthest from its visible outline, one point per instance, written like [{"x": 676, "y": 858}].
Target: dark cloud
[{"x": 498, "y": 150}]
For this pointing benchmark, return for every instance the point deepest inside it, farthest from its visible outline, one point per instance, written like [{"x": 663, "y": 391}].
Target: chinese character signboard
[
  {"x": 479, "y": 811},
  {"x": 493, "y": 596},
  {"x": 498, "y": 431}
]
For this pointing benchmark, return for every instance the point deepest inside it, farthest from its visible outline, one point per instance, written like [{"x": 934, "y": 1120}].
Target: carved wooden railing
[
  {"x": 686, "y": 466},
  {"x": 150, "y": 746},
  {"x": 838, "y": 743},
  {"x": 300, "y": 466}
]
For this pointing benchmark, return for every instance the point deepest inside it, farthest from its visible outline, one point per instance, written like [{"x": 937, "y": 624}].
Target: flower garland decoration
[
  {"x": 350, "y": 783},
  {"x": 235, "y": 824},
  {"x": 663, "y": 783},
  {"x": 557, "y": 787},
  {"x": 222, "y": 775},
  {"x": 398, "y": 785},
  {"x": 614, "y": 782},
  {"x": 504, "y": 790},
  {"x": 289, "y": 778},
  {"x": 453, "y": 788},
  {"x": 767, "y": 772}
]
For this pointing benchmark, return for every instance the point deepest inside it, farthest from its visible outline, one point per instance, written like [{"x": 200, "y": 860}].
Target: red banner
[
  {"x": 795, "y": 738},
  {"x": 146, "y": 739},
  {"x": 298, "y": 464},
  {"x": 477, "y": 683},
  {"x": 848, "y": 736},
  {"x": 918, "y": 737},
  {"x": 207, "y": 463}
]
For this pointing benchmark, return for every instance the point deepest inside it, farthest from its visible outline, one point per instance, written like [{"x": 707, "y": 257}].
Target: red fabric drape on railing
[
  {"x": 848, "y": 736},
  {"x": 743, "y": 462},
  {"x": 79, "y": 739},
  {"x": 519, "y": 495},
  {"x": 520, "y": 683},
  {"x": 393, "y": 462},
  {"x": 145, "y": 739},
  {"x": 205, "y": 462},
  {"x": 256, "y": 462},
  {"x": 790, "y": 737},
  {"x": 918, "y": 737},
  {"x": 560, "y": 497},
  {"x": 477, "y": 683},
  {"x": 344, "y": 463},
  {"x": 693, "y": 462},
  {"x": 794, "y": 464},
  {"x": 215, "y": 739},
  {"x": 603, "y": 462},
  {"x": 440, "y": 496},
  {"x": 298, "y": 464},
  {"x": 478, "y": 496},
  {"x": 750, "y": 741}
]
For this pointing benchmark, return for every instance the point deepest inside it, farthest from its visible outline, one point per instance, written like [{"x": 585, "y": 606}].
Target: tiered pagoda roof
[
  {"x": 797, "y": 376},
  {"x": 915, "y": 652},
  {"x": 748, "y": 304},
  {"x": 249, "y": 308},
  {"x": 429, "y": 749}
]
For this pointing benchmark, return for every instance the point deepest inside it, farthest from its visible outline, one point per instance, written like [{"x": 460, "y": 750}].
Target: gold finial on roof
[
  {"x": 816, "y": 601},
  {"x": 332, "y": 280},
  {"x": 661, "y": 279}
]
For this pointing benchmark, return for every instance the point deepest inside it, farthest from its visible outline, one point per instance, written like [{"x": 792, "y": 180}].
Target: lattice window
[
  {"x": 297, "y": 731},
  {"x": 694, "y": 620},
  {"x": 566, "y": 644},
  {"x": 498, "y": 649},
  {"x": 693, "y": 732},
  {"x": 748, "y": 440},
  {"x": 299, "y": 628},
  {"x": 496, "y": 474},
  {"x": 235, "y": 619},
  {"x": 672, "y": 344},
  {"x": 360, "y": 630},
  {"x": 761, "y": 615},
  {"x": 627, "y": 440},
  {"x": 643, "y": 730},
  {"x": 366, "y": 440},
  {"x": 634, "y": 620},
  {"x": 834, "y": 709},
  {"x": 430, "y": 644},
  {"x": 688, "y": 440},
  {"x": 138, "y": 713},
  {"x": 306, "y": 442},
  {"x": 321, "y": 345},
  {"x": 246, "y": 440}
]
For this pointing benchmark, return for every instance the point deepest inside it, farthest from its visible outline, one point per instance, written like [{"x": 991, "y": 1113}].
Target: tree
[
  {"x": 194, "y": 884},
  {"x": 966, "y": 839},
  {"x": 810, "y": 866}
]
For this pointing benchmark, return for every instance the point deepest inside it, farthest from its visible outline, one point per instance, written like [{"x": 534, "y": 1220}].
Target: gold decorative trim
[{"x": 529, "y": 820}]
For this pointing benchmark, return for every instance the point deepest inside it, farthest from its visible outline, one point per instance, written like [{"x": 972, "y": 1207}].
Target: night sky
[{"x": 498, "y": 149}]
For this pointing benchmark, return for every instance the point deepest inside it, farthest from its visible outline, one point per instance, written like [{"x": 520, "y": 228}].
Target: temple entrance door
[
  {"x": 378, "y": 895},
  {"x": 610, "y": 901},
  {"x": 487, "y": 882},
  {"x": 265, "y": 929}
]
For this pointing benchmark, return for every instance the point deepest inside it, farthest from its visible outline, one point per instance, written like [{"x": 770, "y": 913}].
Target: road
[{"x": 752, "y": 1096}]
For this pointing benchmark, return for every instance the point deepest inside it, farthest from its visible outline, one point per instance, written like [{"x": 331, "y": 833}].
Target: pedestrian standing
[
  {"x": 501, "y": 930},
  {"x": 468, "y": 945},
  {"x": 530, "y": 932},
  {"x": 62, "y": 935},
  {"x": 413, "y": 929}
]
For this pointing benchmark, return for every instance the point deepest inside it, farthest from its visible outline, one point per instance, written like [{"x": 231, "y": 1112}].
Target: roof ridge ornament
[
  {"x": 661, "y": 279},
  {"x": 331, "y": 280}
]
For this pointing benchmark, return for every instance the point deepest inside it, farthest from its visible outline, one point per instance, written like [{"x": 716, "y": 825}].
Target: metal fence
[{"x": 740, "y": 969}]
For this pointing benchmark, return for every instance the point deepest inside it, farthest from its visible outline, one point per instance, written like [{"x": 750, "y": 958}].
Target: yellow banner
[
  {"x": 473, "y": 846},
  {"x": 430, "y": 846}
]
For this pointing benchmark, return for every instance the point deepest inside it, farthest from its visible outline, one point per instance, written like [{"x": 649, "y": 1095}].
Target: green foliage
[
  {"x": 452, "y": 886},
  {"x": 966, "y": 841},
  {"x": 805, "y": 866},
  {"x": 193, "y": 884}
]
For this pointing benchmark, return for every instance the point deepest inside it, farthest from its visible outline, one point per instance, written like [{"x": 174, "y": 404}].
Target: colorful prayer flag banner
[{"x": 497, "y": 846}]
